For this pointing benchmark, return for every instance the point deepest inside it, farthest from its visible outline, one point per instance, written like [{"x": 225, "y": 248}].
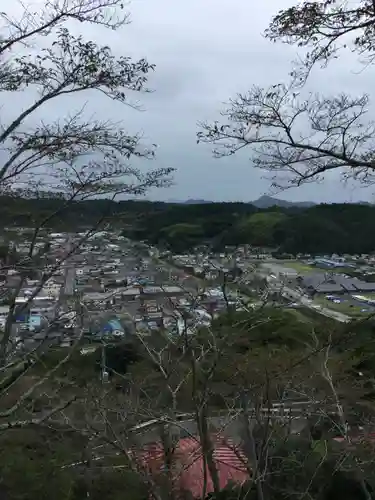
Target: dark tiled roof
[
  {"x": 328, "y": 287},
  {"x": 366, "y": 286},
  {"x": 326, "y": 283}
]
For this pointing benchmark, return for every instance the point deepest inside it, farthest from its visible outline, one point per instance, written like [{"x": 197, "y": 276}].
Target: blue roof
[
  {"x": 112, "y": 325},
  {"x": 21, "y": 318},
  {"x": 115, "y": 324}
]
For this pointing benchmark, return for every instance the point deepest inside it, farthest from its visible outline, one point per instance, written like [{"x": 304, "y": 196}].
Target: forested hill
[
  {"x": 341, "y": 228},
  {"x": 335, "y": 228}
]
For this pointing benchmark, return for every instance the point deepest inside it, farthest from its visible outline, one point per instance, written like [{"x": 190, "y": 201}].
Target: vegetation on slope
[{"x": 327, "y": 228}]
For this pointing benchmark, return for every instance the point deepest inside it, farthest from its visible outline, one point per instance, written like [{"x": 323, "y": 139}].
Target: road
[
  {"x": 70, "y": 277},
  {"x": 69, "y": 273}
]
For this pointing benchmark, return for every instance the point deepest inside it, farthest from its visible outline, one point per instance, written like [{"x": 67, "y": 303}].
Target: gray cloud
[{"x": 205, "y": 52}]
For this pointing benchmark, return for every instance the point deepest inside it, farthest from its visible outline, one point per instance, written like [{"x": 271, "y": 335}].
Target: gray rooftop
[{"x": 327, "y": 282}]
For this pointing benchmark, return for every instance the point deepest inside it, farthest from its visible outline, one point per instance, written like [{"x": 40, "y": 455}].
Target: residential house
[
  {"x": 4, "y": 311},
  {"x": 113, "y": 327}
]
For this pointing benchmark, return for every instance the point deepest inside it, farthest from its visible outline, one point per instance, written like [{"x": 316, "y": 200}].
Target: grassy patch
[
  {"x": 299, "y": 266},
  {"x": 345, "y": 307}
]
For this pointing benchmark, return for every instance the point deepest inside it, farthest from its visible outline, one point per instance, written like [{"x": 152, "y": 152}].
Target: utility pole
[
  {"x": 104, "y": 380},
  {"x": 104, "y": 373}
]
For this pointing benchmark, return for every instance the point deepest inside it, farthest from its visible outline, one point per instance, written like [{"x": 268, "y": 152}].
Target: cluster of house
[
  {"x": 123, "y": 290},
  {"x": 105, "y": 285},
  {"x": 35, "y": 289}
]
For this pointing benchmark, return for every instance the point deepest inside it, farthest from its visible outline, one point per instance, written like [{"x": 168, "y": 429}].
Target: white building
[{"x": 4, "y": 311}]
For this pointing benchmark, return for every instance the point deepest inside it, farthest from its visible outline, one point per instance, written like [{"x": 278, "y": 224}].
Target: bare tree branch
[
  {"x": 107, "y": 13},
  {"x": 297, "y": 140},
  {"x": 325, "y": 28}
]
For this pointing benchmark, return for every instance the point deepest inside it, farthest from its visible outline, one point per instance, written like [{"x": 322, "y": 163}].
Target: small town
[{"x": 112, "y": 286}]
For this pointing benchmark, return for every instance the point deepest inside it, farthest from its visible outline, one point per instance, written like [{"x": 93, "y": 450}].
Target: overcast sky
[{"x": 205, "y": 51}]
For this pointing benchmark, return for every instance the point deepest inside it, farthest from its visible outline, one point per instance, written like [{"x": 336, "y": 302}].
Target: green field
[
  {"x": 305, "y": 268},
  {"x": 299, "y": 266},
  {"x": 344, "y": 307}
]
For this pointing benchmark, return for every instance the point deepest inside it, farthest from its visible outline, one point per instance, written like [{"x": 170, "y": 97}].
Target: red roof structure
[{"x": 188, "y": 464}]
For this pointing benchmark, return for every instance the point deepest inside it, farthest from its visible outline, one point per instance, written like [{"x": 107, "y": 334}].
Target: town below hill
[{"x": 317, "y": 229}]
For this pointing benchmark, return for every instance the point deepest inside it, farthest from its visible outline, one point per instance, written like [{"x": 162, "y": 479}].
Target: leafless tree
[
  {"x": 76, "y": 155},
  {"x": 72, "y": 158},
  {"x": 297, "y": 136},
  {"x": 297, "y": 140},
  {"x": 325, "y": 29}
]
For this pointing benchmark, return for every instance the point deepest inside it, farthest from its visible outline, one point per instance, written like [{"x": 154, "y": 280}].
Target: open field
[
  {"x": 299, "y": 266},
  {"x": 305, "y": 268},
  {"x": 348, "y": 307}
]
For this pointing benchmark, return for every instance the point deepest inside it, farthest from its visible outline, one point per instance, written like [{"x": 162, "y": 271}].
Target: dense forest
[{"x": 318, "y": 229}]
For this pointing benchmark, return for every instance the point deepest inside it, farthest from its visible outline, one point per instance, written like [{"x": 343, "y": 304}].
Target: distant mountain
[
  {"x": 189, "y": 202},
  {"x": 262, "y": 202},
  {"x": 267, "y": 202},
  {"x": 196, "y": 202}
]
